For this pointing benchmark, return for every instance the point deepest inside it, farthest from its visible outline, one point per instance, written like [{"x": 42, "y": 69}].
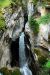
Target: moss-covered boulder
[
  {"x": 16, "y": 72},
  {"x": 2, "y": 23},
  {"x": 42, "y": 60},
  {"x": 5, "y": 71},
  {"x": 41, "y": 55}
]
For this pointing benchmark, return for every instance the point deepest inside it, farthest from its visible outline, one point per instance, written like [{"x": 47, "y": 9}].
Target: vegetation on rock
[
  {"x": 16, "y": 72},
  {"x": 44, "y": 19},
  {"x": 2, "y": 23},
  {"x": 6, "y": 71},
  {"x": 4, "y": 3},
  {"x": 34, "y": 25},
  {"x": 42, "y": 58}
]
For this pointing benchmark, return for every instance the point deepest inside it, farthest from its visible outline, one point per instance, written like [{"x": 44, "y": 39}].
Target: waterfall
[{"x": 22, "y": 57}]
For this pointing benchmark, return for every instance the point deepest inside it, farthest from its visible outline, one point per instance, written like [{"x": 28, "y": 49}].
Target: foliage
[
  {"x": 2, "y": 23},
  {"x": 4, "y": 3},
  {"x": 42, "y": 60},
  {"x": 16, "y": 3},
  {"x": 19, "y": 3},
  {"x": 6, "y": 71},
  {"x": 35, "y": 2},
  {"x": 34, "y": 25},
  {"x": 16, "y": 72},
  {"x": 47, "y": 65},
  {"x": 44, "y": 19},
  {"x": 43, "y": 71}
]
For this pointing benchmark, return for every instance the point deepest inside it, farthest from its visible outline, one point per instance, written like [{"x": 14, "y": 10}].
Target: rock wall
[{"x": 14, "y": 24}]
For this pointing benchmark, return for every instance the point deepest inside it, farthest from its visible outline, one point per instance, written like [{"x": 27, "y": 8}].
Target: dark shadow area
[
  {"x": 14, "y": 49},
  {"x": 25, "y": 18}
]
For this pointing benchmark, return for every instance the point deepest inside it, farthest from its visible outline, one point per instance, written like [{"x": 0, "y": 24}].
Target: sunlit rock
[{"x": 43, "y": 33}]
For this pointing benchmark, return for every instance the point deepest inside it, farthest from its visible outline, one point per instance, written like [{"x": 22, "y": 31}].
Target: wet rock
[
  {"x": 1, "y": 51},
  {"x": 49, "y": 38},
  {"x": 16, "y": 72},
  {"x": 6, "y": 71},
  {"x": 34, "y": 67},
  {"x": 1, "y": 33}
]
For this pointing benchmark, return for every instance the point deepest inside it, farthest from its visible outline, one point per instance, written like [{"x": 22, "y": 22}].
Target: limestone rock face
[
  {"x": 43, "y": 37},
  {"x": 30, "y": 33},
  {"x": 14, "y": 24}
]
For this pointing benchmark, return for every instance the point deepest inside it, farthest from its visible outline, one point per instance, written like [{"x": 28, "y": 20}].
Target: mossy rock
[
  {"x": 5, "y": 71},
  {"x": 34, "y": 25},
  {"x": 44, "y": 19},
  {"x": 2, "y": 23},
  {"x": 40, "y": 52},
  {"x": 37, "y": 51},
  {"x": 42, "y": 60},
  {"x": 16, "y": 72},
  {"x": 42, "y": 57}
]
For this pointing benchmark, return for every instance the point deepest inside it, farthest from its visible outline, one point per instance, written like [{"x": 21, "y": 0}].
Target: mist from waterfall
[{"x": 22, "y": 57}]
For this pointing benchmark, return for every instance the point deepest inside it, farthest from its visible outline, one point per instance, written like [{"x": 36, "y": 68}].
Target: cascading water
[{"x": 22, "y": 57}]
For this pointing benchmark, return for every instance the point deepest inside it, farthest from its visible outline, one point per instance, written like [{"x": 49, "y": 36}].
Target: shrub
[
  {"x": 34, "y": 25},
  {"x": 47, "y": 65},
  {"x": 42, "y": 60}
]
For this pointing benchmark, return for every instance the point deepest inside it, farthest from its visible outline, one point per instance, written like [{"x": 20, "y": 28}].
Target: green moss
[
  {"x": 34, "y": 25},
  {"x": 48, "y": 64},
  {"x": 37, "y": 51},
  {"x": 42, "y": 60},
  {"x": 5, "y": 71},
  {"x": 16, "y": 72},
  {"x": 44, "y": 19},
  {"x": 2, "y": 23},
  {"x": 42, "y": 57},
  {"x": 4, "y": 3}
]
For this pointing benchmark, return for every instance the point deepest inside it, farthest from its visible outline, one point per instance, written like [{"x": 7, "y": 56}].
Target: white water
[{"x": 22, "y": 58}]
